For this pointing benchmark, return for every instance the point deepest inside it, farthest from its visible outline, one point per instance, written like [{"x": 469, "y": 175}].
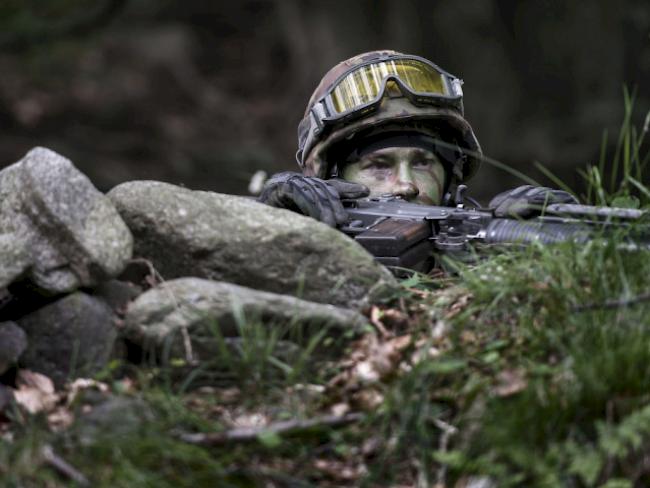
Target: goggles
[{"x": 360, "y": 90}]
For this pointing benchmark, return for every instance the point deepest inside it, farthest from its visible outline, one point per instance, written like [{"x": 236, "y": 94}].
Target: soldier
[{"x": 386, "y": 123}]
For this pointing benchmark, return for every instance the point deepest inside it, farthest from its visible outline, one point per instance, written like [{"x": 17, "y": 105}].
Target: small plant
[{"x": 628, "y": 164}]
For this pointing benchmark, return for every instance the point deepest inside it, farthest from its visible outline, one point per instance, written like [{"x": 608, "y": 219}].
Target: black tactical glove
[
  {"x": 320, "y": 199},
  {"x": 527, "y": 201}
]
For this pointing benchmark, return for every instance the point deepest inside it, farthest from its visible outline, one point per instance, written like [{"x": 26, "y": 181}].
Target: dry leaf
[
  {"x": 395, "y": 318},
  {"x": 307, "y": 389},
  {"x": 80, "y": 384},
  {"x": 375, "y": 319},
  {"x": 368, "y": 399},
  {"x": 340, "y": 409},
  {"x": 425, "y": 353},
  {"x": 400, "y": 343},
  {"x": 339, "y": 470},
  {"x": 60, "y": 419},
  {"x": 366, "y": 372},
  {"x": 510, "y": 381},
  {"x": 31, "y": 379},
  {"x": 382, "y": 359},
  {"x": 440, "y": 330},
  {"x": 371, "y": 361},
  {"x": 459, "y": 304},
  {"x": 35, "y": 392},
  {"x": 371, "y": 445}
]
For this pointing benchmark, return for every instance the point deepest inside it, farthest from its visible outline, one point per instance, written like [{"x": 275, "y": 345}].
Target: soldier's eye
[
  {"x": 378, "y": 165},
  {"x": 421, "y": 164}
]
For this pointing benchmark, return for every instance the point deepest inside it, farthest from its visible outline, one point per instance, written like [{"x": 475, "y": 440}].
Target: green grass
[
  {"x": 587, "y": 372},
  {"x": 521, "y": 369}
]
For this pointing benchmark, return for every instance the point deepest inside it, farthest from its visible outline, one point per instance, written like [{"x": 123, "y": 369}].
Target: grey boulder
[
  {"x": 7, "y": 399},
  {"x": 117, "y": 294},
  {"x": 157, "y": 318},
  {"x": 56, "y": 229},
  {"x": 113, "y": 416},
  {"x": 72, "y": 337},
  {"x": 13, "y": 342},
  {"x": 236, "y": 239}
]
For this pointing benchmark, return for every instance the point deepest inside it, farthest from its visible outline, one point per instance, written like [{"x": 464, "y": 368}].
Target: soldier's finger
[
  {"x": 348, "y": 189},
  {"x": 334, "y": 200},
  {"x": 305, "y": 205},
  {"x": 306, "y": 198},
  {"x": 329, "y": 200},
  {"x": 340, "y": 214}
]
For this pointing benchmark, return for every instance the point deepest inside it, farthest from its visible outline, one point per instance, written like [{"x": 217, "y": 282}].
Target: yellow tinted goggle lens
[{"x": 364, "y": 84}]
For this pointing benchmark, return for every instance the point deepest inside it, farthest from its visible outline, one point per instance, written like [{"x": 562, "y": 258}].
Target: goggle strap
[
  {"x": 456, "y": 86},
  {"x": 318, "y": 113}
]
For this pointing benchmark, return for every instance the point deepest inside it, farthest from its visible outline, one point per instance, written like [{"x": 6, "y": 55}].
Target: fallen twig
[
  {"x": 448, "y": 431},
  {"x": 375, "y": 320},
  {"x": 248, "y": 434},
  {"x": 62, "y": 466},
  {"x": 612, "y": 304}
]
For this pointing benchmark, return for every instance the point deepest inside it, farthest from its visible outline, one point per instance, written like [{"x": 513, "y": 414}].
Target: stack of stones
[{"x": 154, "y": 265}]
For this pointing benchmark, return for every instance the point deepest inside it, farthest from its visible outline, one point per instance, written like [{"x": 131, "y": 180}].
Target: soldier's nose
[
  {"x": 406, "y": 190},
  {"x": 405, "y": 186}
]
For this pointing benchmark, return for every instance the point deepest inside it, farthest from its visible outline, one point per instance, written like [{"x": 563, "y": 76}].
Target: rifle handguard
[{"x": 506, "y": 231}]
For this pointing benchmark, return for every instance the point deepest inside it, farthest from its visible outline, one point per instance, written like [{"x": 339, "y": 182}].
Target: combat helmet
[{"x": 385, "y": 91}]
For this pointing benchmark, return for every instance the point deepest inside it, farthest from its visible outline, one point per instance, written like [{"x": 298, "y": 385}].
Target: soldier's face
[{"x": 415, "y": 174}]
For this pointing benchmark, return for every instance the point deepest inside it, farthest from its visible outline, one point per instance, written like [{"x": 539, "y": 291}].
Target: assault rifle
[{"x": 407, "y": 235}]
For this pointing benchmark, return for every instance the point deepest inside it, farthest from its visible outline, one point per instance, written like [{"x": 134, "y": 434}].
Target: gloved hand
[
  {"x": 317, "y": 198},
  {"x": 527, "y": 200}
]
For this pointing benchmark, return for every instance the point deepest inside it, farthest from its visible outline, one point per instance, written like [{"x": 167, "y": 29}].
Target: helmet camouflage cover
[{"x": 317, "y": 149}]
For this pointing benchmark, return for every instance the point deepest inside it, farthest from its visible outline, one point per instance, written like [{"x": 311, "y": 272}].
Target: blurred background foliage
[{"x": 205, "y": 93}]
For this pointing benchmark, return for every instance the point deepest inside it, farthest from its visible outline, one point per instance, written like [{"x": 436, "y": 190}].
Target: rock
[
  {"x": 14, "y": 254},
  {"x": 13, "y": 342},
  {"x": 21, "y": 298},
  {"x": 141, "y": 273},
  {"x": 72, "y": 337},
  {"x": 157, "y": 318},
  {"x": 56, "y": 229},
  {"x": 114, "y": 416},
  {"x": 117, "y": 294},
  {"x": 236, "y": 239},
  {"x": 7, "y": 399}
]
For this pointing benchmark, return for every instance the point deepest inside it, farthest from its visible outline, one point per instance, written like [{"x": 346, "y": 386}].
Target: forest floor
[{"x": 530, "y": 368}]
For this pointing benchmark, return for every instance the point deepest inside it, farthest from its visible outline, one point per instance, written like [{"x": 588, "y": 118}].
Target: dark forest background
[{"x": 204, "y": 93}]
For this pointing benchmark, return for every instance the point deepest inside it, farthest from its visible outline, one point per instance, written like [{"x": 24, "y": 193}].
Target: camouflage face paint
[{"x": 417, "y": 175}]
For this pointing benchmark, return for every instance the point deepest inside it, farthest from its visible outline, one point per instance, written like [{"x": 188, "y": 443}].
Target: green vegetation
[{"x": 531, "y": 368}]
